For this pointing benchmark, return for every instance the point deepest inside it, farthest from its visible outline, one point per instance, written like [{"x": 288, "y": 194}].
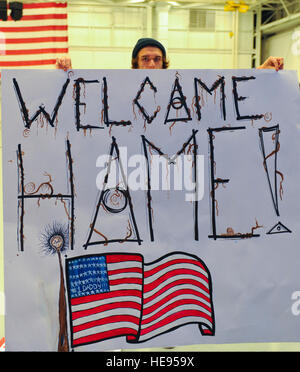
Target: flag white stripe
[
  {"x": 87, "y": 305},
  {"x": 126, "y": 286},
  {"x": 36, "y": 34},
  {"x": 33, "y": 46},
  {"x": 121, "y": 276},
  {"x": 105, "y": 328},
  {"x": 30, "y": 57},
  {"x": 48, "y": 10},
  {"x": 119, "y": 311},
  {"x": 172, "y": 290},
  {"x": 8, "y": 25}
]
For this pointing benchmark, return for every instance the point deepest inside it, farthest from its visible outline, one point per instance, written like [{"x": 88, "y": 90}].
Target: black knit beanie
[{"x": 144, "y": 42}]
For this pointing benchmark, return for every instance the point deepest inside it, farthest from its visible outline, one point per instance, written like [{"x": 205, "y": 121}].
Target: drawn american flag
[
  {"x": 113, "y": 295},
  {"x": 37, "y": 39}
]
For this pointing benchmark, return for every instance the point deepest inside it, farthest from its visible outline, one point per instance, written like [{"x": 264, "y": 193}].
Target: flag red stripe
[
  {"x": 207, "y": 331},
  {"x": 172, "y": 318},
  {"x": 101, "y": 296},
  {"x": 150, "y": 286},
  {"x": 37, "y": 17},
  {"x": 156, "y": 305},
  {"x": 122, "y": 258},
  {"x": 28, "y": 63},
  {"x": 113, "y": 282},
  {"x": 35, "y": 51},
  {"x": 35, "y": 28},
  {"x": 172, "y": 262},
  {"x": 30, "y": 40},
  {"x": 109, "y": 306},
  {"x": 107, "y": 320},
  {"x": 174, "y": 284},
  {"x": 172, "y": 306},
  {"x": 104, "y": 335}
]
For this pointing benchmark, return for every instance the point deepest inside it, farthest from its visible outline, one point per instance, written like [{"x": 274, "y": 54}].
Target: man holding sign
[{"x": 149, "y": 53}]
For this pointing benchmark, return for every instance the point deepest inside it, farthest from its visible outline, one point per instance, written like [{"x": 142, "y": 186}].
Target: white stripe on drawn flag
[
  {"x": 115, "y": 295},
  {"x": 37, "y": 39}
]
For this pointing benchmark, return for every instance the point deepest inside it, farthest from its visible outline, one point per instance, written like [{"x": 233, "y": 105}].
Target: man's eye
[{"x": 148, "y": 59}]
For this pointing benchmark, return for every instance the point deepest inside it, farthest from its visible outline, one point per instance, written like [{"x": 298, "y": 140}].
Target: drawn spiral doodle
[
  {"x": 114, "y": 200},
  {"x": 45, "y": 187},
  {"x": 26, "y": 132}
]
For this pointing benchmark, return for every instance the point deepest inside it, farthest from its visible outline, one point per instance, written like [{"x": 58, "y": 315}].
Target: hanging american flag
[
  {"x": 114, "y": 295},
  {"x": 37, "y": 39}
]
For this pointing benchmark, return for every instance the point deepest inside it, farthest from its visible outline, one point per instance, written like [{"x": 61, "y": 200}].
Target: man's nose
[{"x": 151, "y": 62}]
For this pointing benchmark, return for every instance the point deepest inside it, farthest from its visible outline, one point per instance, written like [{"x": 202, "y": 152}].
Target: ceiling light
[{"x": 136, "y": 1}]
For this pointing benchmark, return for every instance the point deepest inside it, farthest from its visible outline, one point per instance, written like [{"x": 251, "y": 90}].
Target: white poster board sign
[{"x": 150, "y": 208}]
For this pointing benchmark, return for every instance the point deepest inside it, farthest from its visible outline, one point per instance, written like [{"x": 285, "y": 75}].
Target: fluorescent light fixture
[{"x": 173, "y": 3}]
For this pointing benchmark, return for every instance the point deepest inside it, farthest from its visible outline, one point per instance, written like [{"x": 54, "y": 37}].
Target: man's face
[{"x": 150, "y": 57}]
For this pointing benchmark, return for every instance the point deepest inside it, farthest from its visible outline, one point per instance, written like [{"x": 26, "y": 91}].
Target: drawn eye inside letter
[{"x": 114, "y": 200}]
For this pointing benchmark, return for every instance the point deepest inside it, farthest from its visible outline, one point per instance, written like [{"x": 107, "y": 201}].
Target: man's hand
[
  {"x": 64, "y": 63},
  {"x": 275, "y": 63}
]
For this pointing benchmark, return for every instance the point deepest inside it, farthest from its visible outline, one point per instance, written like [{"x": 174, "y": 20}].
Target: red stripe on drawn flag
[
  {"x": 37, "y": 39},
  {"x": 115, "y": 295}
]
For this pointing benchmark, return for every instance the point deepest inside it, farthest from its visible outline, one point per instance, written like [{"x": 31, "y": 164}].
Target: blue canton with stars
[{"x": 87, "y": 276}]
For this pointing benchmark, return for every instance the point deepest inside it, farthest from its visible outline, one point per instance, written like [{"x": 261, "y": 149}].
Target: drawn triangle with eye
[
  {"x": 279, "y": 228},
  {"x": 177, "y": 104},
  {"x": 114, "y": 207}
]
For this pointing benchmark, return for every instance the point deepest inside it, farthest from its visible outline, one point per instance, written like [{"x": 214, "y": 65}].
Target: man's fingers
[
  {"x": 63, "y": 64},
  {"x": 275, "y": 63}
]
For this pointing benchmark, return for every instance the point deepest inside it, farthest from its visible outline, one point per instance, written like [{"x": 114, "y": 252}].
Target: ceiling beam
[{"x": 282, "y": 24}]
